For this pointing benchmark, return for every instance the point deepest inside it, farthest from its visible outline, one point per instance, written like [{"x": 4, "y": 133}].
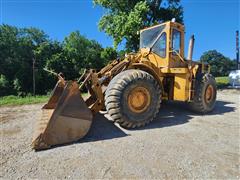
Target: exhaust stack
[{"x": 190, "y": 48}]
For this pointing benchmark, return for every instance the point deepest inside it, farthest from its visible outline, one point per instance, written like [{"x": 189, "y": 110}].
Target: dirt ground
[{"x": 178, "y": 144}]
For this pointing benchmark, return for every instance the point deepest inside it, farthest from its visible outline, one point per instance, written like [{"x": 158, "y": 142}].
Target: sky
[{"x": 213, "y": 22}]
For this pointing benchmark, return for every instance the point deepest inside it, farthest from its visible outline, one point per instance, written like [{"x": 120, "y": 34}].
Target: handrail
[{"x": 178, "y": 55}]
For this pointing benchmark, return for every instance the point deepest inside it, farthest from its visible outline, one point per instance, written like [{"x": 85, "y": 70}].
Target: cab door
[
  {"x": 159, "y": 55},
  {"x": 176, "y": 47}
]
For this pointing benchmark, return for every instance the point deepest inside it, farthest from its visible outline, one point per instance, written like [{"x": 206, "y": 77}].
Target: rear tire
[
  {"x": 205, "y": 94},
  {"x": 133, "y": 98}
]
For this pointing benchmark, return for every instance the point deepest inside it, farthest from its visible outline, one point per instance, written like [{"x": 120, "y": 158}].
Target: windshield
[{"x": 147, "y": 37}]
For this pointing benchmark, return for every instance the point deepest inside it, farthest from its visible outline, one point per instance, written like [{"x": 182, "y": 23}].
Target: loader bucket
[{"x": 65, "y": 118}]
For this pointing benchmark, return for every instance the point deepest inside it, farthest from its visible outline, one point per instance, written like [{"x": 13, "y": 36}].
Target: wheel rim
[
  {"x": 209, "y": 94},
  {"x": 139, "y": 99}
]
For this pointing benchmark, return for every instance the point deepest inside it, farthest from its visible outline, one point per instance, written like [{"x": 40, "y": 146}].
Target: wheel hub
[
  {"x": 209, "y": 94},
  {"x": 139, "y": 99}
]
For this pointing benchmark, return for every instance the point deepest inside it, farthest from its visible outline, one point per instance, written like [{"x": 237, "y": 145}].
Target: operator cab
[
  {"x": 155, "y": 39},
  {"x": 166, "y": 43}
]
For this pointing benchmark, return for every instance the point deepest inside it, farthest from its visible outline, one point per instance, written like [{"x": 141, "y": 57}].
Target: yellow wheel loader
[{"x": 131, "y": 89}]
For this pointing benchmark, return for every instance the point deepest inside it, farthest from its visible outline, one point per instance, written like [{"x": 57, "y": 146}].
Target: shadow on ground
[
  {"x": 171, "y": 114},
  {"x": 103, "y": 129},
  {"x": 176, "y": 113}
]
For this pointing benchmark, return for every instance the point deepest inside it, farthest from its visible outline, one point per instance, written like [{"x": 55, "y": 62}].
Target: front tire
[
  {"x": 133, "y": 98},
  {"x": 205, "y": 94}
]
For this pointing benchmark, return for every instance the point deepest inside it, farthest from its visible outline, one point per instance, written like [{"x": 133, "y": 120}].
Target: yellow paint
[
  {"x": 139, "y": 99},
  {"x": 175, "y": 70},
  {"x": 173, "y": 63},
  {"x": 181, "y": 87},
  {"x": 171, "y": 60}
]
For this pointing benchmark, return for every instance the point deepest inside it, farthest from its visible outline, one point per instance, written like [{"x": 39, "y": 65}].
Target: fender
[{"x": 149, "y": 68}]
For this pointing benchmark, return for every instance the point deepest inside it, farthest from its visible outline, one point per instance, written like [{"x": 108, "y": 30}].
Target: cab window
[
  {"x": 160, "y": 46},
  {"x": 176, "y": 40}
]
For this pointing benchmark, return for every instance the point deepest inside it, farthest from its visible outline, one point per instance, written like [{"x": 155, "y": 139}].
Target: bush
[
  {"x": 222, "y": 82},
  {"x": 4, "y": 86}
]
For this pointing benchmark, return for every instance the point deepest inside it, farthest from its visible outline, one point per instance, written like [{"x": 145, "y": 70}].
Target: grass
[
  {"x": 16, "y": 100},
  {"x": 222, "y": 81}
]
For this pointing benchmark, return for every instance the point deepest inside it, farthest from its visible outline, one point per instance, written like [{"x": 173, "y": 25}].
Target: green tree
[
  {"x": 108, "y": 54},
  {"x": 42, "y": 54},
  {"x": 60, "y": 63},
  {"x": 8, "y": 50},
  {"x": 220, "y": 65},
  {"x": 19, "y": 47},
  {"x": 4, "y": 85},
  {"x": 33, "y": 45},
  {"x": 123, "y": 18},
  {"x": 83, "y": 53}
]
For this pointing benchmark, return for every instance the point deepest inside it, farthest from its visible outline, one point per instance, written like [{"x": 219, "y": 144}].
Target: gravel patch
[{"x": 178, "y": 144}]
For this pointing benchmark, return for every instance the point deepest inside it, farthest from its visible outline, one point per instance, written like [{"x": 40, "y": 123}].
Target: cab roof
[{"x": 165, "y": 23}]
